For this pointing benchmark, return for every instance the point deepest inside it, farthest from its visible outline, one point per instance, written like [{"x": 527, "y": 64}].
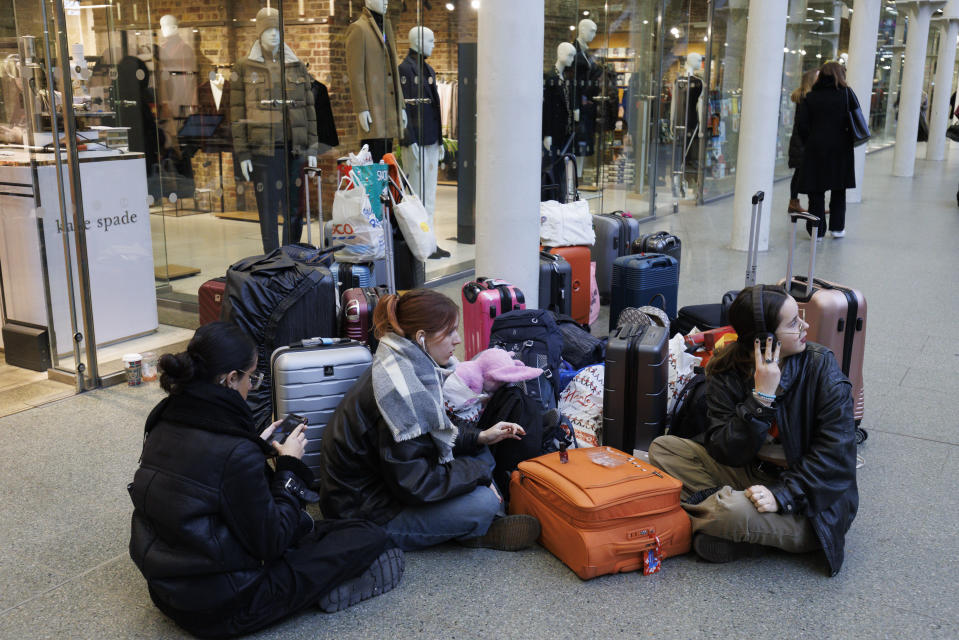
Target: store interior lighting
[{"x": 450, "y": 6}]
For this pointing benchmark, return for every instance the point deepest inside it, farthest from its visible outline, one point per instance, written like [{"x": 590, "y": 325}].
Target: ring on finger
[{"x": 769, "y": 360}]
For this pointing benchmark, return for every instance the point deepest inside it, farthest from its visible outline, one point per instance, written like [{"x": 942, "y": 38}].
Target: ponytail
[{"x": 215, "y": 349}]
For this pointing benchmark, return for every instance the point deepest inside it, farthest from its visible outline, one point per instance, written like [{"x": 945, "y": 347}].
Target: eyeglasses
[{"x": 256, "y": 379}]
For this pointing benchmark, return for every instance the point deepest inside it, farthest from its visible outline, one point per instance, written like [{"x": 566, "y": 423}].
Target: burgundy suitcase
[
  {"x": 836, "y": 315},
  {"x": 578, "y": 258},
  {"x": 210, "y": 298},
  {"x": 356, "y": 313},
  {"x": 483, "y": 300}
]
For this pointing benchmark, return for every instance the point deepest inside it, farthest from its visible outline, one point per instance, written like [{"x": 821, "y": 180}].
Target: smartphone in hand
[{"x": 285, "y": 428}]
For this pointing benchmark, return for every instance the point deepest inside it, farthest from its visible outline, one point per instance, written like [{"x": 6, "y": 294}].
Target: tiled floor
[{"x": 65, "y": 570}]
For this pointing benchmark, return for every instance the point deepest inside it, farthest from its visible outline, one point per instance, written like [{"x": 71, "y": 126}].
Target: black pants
[
  {"x": 334, "y": 552},
  {"x": 378, "y": 147},
  {"x": 837, "y": 210},
  {"x": 794, "y": 186},
  {"x": 277, "y": 184}
]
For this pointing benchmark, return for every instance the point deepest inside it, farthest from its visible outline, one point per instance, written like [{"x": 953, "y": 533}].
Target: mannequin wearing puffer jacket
[
  {"x": 222, "y": 538},
  {"x": 778, "y": 464}
]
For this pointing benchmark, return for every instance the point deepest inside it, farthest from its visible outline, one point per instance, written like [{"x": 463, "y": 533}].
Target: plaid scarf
[{"x": 408, "y": 388}]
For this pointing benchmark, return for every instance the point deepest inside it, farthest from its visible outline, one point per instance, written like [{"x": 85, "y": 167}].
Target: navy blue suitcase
[
  {"x": 640, "y": 280},
  {"x": 555, "y": 283},
  {"x": 615, "y": 235},
  {"x": 659, "y": 242}
]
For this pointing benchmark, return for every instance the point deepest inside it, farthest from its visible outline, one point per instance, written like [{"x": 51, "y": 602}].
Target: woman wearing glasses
[
  {"x": 776, "y": 466},
  {"x": 221, "y": 537}
]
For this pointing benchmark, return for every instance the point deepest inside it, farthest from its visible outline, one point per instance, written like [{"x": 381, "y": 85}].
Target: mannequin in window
[
  {"x": 587, "y": 79},
  {"x": 558, "y": 122},
  {"x": 691, "y": 73},
  {"x": 176, "y": 99},
  {"x": 374, "y": 80},
  {"x": 271, "y": 156},
  {"x": 422, "y": 144}
]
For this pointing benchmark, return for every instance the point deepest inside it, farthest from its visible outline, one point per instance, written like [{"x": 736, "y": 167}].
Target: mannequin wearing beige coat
[{"x": 374, "y": 79}]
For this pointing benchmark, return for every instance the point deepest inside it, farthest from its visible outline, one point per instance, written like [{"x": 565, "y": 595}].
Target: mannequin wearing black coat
[{"x": 828, "y": 163}]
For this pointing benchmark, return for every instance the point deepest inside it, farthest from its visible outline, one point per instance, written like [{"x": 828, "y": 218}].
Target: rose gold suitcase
[{"x": 836, "y": 315}]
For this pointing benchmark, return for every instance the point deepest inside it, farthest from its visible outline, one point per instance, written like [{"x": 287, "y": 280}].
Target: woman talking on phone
[
  {"x": 221, "y": 537},
  {"x": 777, "y": 463}
]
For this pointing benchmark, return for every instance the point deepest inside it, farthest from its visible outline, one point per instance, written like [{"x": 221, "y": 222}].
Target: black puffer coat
[
  {"x": 209, "y": 513},
  {"x": 367, "y": 474},
  {"x": 822, "y": 120},
  {"x": 814, "y": 412}
]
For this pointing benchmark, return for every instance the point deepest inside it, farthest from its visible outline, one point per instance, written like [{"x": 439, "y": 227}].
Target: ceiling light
[
  {"x": 572, "y": 27},
  {"x": 586, "y": 13},
  {"x": 450, "y": 6},
  {"x": 475, "y": 4}
]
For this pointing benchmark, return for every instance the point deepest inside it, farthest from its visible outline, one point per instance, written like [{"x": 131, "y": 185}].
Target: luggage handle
[
  {"x": 318, "y": 174},
  {"x": 637, "y": 546},
  {"x": 752, "y": 255},
  {"x": 794, "y": 218}
]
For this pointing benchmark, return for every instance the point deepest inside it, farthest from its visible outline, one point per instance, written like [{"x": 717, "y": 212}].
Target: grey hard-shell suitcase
[
  {"x": 615, "y": 233},
  {"x": 635, "y": 386},
  {"x": 310, "y": 378}
]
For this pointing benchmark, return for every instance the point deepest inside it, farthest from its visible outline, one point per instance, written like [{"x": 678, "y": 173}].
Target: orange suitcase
[{"x": 599, "y": 519}]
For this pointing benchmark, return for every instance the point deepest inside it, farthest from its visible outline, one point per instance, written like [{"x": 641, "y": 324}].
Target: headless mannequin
[
  {"x": 565, "y": 54},
  {"x": 694, "y": 108},
  {"x": 365, "y": 118},
  {"x": 270, "y": 42},
  {"x": 418, "y": 81},
  {"x": 585, "y": 87}
]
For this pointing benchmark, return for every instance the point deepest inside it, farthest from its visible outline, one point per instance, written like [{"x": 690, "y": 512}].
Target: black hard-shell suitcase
[
  {"x": 310, "y": 378},
  {"x": 615, "y": 233},
  {"x": 712, "y": 316},
  {"x": 659, "y": 242},
  {"x": 555, "y": 283},
  {"x": 277, "y": 301},
  {"x": 635, "y": 386}
]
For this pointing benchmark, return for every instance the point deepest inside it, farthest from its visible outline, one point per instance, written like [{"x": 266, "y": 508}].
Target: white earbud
[{"x": 423, "y": 342}]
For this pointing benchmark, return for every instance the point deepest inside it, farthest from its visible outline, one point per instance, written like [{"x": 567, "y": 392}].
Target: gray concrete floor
[{"x": 65, "y": 572}]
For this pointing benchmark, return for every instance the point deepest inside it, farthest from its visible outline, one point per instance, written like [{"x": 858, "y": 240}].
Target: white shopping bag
[
  {"x": 565, "y": 225},
  {"x": 354, "y": 224},
  {"x": 413, "y": 220}
]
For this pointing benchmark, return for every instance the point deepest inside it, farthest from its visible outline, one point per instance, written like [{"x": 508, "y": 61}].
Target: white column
[
  {"x": 509, "y": 90},
  {"x": 863, "y": 35},
  {"x": 762, "y": 85},
  {"x": 945, "y": 63},
  {"x": 892, "y": 100},
  {"x": 910, "y": 92}
]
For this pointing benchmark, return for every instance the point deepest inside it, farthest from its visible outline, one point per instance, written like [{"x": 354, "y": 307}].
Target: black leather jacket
[
  {"x": 209, "y": 514},
  {"x": 367, "y": 474},
  {"x": 814, "y": 412}
]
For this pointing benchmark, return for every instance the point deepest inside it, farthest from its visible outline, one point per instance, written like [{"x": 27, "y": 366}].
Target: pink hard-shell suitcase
[
  {"x": 836, "y": 315},
  {"x": 483, "y": 300}
]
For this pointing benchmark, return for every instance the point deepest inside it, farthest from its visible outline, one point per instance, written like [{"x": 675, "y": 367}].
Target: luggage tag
[{"x": 653, "y": 559}]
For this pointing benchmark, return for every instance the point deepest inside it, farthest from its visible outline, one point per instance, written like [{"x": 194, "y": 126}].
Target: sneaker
[
  {"x": 838, "y": 234},
  {"x": 509, "y": 533},
  {"x": 380, "y": 577},
  {"x": 713, "y": 549}
]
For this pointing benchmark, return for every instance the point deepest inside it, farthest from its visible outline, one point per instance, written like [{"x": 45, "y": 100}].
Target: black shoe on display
[
  {"x": 719, "y": 550},
  {"x": 439, "y": 253},
  {"x": 509, "y": 533},
  {"x": 380, "y": 577}
]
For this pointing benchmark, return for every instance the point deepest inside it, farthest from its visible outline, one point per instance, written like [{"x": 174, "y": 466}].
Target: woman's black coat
[
  {"x": 814, "y": 413},
  {"x": 822, "y": 121},
  {"x": 209, "y": 515},
  {"x": 367, "y": 474}
]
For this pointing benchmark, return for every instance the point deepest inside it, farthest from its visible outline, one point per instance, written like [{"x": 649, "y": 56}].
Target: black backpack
[
  {"x": 688, "y": 416},
  {"x": 533, "y": 334}
]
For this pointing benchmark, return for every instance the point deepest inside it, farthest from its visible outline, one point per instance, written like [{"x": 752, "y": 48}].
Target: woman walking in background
[
  {"x": 795, "y": 142},
  {"x": 827, "y": 162}
]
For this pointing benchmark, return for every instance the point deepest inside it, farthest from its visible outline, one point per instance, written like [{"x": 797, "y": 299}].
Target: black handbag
[{"x": 857, "y": 122}]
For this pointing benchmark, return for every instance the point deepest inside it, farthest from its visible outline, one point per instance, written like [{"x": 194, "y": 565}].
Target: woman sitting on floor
[
  {"x": 392, "y": 455},
  {"x": 778, "y": 467},
  {"x": 222, "y": 539}
]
